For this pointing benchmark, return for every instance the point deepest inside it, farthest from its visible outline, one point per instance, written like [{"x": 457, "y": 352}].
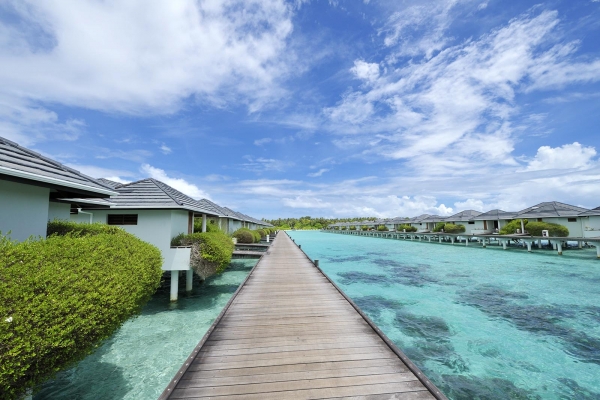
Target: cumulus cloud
[
  {"x": 140, "y": 57},
  {"x": 305, "y": 202},
  {"x": 365, "y": 71},
  {"x": 100, "y": 172},
  {"x": 178, "y": 183},
  {"x": 566, "y": 157},
  {"x": 262, "y": 164},
  {"x": 165, "y": 149}
]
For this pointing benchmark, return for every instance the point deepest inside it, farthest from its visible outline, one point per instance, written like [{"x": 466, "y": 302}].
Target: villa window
[
  {"x": 572, "y": 219},
  {"x": 122, "y": 219},
  {"x": 539, "y": 220},
  {"x": 471, "y": 222}
]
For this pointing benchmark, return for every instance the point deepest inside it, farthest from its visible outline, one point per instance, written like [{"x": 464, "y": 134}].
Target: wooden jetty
[{"x": 290, "y": 333}]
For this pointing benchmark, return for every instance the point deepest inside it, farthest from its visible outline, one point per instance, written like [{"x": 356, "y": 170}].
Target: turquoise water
[
  {"x": 143, "y": 356},
  {"x": 481, "y": 323}
]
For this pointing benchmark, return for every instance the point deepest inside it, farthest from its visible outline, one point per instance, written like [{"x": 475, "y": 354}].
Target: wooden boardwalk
[{"x": 289, "y": 333}]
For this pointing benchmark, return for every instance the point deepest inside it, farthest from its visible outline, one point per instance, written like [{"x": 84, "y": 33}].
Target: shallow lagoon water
[
  {"x": 481, "y": 323},
  {"x": 141, "y": 358}
]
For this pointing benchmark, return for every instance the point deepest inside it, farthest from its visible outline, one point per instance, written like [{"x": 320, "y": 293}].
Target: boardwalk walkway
[{"x": 288, "y": 333}]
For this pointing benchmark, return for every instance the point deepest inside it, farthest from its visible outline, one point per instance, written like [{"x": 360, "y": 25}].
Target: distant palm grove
[{"x": 310, "y": 222}]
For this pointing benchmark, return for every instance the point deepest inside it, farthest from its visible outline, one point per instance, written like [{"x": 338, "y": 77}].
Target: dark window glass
[
  {"x": 572, "y": 219},
  {"x": 122, "y": 219},
  {"x": 471, "y": 222}
]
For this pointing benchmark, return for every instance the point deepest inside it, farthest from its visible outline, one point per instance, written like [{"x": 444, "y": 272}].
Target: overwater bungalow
[
  {"x": 591, "y": 223},
  {"x": 465, "y": 218},
  {"x": 557, "y": 213},
  {"x": 32, "y": 188},
  {"x": 493, "y": 221},
  {"x": 418, "y": 222},
  {"x": 431, "y": 221}
]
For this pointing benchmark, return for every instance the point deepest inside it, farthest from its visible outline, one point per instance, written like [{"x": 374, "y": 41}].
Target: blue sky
[{"x": 321, "y": 108}]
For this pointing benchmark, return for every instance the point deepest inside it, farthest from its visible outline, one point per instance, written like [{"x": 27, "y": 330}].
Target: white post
[
  {"x": 553, "y": 245},
  {"x": 174, "y": 285},
  {"x": 429, "y": 237},
  {"x": 440, "y": 239},
  {"x": 452, "y": 239},
  {"x": 559, "y": 245},
  {"x": 580, "y": 244},
  {"x": 522, "y": 226},
  {"x": 189, "y": 278},
  {"x": 598, "y": 250},
  {"x": 539, "y": 243},
  {"x": 483, "y": 242},
  {"x": 504, "y": 244},
  {"x": 203, "y": 222},
  {"x": 466, "y": 241},
  {"x": 268, "y": 237},
  {"x": 529, "y": 246}
]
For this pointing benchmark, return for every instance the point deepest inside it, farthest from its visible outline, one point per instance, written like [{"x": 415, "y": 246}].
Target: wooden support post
[
  {"x": 189, "y": 279},
  {"x": 174, "y": 285},
  {"x": 316, "y": 263}
]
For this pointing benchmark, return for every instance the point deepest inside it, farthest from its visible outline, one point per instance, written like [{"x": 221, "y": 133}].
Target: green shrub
[
  {"x": 364, "y": 228},
  {"x": 452, "y": 228},
  {"x": 60, "y": 297},
  {"x": 61, "y": 228},
  {"x": 512, "y": 226},
  {"x": 243, "y": 235},
  {"x": 211, "y": 251},
  {"x": 343, "y": 228},
  {"x": 382, "y": 228},
  {"x": 408, "y": 228},
  {"x": 439, "y": 226},
  {"x": 554, "y": 230},
  {"x": 352, "y": 228},
  {"x": 211, "y": 226}
]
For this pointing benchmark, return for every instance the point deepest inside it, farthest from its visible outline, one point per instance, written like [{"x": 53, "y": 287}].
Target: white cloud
[
  {"x": 305, "y": 202},
  {"x": 458, "y": 108},
  {"x": 261, "y": 164},
  {"x": 139, "y": 57},
  {"x": 471, "y": 204},
  {"x": 165, "y": 149},
  {"x": 263, "y": 141},
  {"x": 177, "y": 183},
  {"x": 318, "y": 173},
  {"x": 566, "y": 157},
  {"x": 366, "y": 71}
]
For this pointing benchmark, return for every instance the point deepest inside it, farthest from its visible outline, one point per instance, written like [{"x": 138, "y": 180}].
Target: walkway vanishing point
[{"x": 290, "y": 333}]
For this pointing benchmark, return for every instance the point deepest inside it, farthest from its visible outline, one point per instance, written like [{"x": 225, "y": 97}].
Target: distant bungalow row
[
  {"x": 35, "y": 189},
  {"x": 581, "y": 222}
]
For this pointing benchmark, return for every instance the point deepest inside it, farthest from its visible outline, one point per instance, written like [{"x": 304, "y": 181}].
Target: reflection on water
[
  {"x": 141, "y": 358},
  {"x": 482, "y": 323}
]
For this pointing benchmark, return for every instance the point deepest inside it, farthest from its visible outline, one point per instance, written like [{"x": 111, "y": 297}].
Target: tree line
[{"x": 310, "y": 222}]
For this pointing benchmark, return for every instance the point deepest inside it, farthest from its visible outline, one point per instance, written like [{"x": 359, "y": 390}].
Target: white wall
[
  {"x": 23, "y": 210},
  {"x": 469, "y": 228},
  {"x": 60, "y": 211},
  {"x": 575, "y": 229},
  {"x": 156, "y": 227}
]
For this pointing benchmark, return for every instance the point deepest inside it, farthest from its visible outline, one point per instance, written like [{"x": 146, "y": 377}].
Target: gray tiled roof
[
  {"x": 464, "y": 215},
  {"x": 434, "y": 218},
  {"x": 151, "y": 193},
  {"x": 18, "y": 162},
  {"x": 109, "y": 183},
  {"x": 209, "y": 205},
  {"x": 551, "y": 209},
  {"x": 420, "y": 218},
  {"x": 592, "y": 212},
  {"x": 495, "y": 215}
]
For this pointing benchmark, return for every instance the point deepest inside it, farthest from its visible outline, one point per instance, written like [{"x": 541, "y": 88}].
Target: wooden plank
[{"x": 290, "y": 333}]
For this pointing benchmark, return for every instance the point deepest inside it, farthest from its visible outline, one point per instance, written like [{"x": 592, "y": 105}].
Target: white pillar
[
  {"x": 203, "y": 222},
  {"x": 483, "y": 242},
  {"x": 539, "y": 243},
  {"x": 580, "y": 244},
  {"x": 174, "y": 285},
  {"x": 440, "y": 239},
  {"x": 452, "y": 239},
  {"x": 268, "y": 238},
  {"x": 529, "y": 246},
  {"x": 504, "y": 244},
  {"x": 429, "y": 237},
  {"x": 189, "y": 278},
  {"x": 466, "y": 241},
  {"x": 559, "y": 246},
  {"x": 598, "y": 250},
  {"x": 553, "y": 245},
  {"x": 522, "y": 227}
]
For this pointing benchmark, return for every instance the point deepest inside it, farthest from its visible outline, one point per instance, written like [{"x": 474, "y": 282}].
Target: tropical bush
[
  {"x": 512, "y": 226},
  {"x": 452, "y": 228},
  {"x": 211, "y": 251},
  {"x": 211, "y": 226},
  {"x": 61, "y": 296},
  {"x": 554, "y": 230},
  {"x": 382, "y": 228},
  {"x": 408, "y": 228},
  {"x": 244, "y": 235},
  {"x": 343, "y": 228},
  {"x": 352, "y": 228},
  {"x": 439, "y": 226}
]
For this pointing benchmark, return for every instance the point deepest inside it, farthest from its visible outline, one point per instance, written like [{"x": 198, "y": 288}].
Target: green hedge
[
  {"x": 512, "y": 226},
  {"x": 364, "y": 228},
  {"x": 452, "y": 228},
  {"x": 554, "y": 230},
  {"x": 352, "y": 228},
  {"x": 439, "y": 226},
  {"x": 245, "y": 235},
  {"x": 213, "y": 251},
  {"x": 60, "y": 297},
  {"x": 408, "y": 228},
  {"x": 382, "y": 228}
]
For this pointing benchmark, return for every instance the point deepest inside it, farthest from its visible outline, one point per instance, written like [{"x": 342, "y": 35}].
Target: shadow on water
[
  {"x": 407, "y": 275},
  {"x": 469, "y": 387},
  {"x": 348, "y": 278},
  {"x": 87, "y": 383},
  {"x": 549, "y": 320}
]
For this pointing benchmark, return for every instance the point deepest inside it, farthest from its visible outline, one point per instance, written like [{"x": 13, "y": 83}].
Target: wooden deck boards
[{"x": 289, "y": 333}]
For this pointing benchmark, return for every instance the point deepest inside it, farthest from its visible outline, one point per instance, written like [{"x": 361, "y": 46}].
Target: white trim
[
  {"x": 59, "y": 182},
  {"x": 87, "y": 201}
]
